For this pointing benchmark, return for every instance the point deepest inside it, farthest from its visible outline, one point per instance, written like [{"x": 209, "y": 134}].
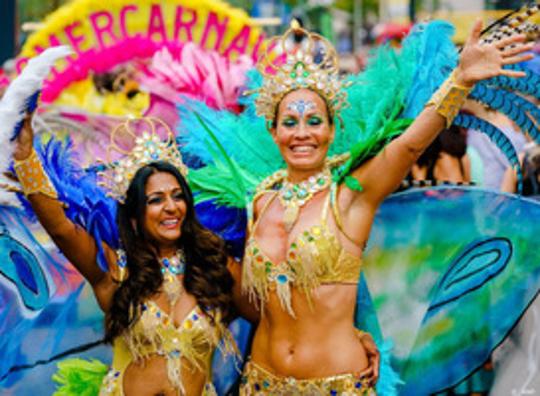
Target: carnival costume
[
  {"x": 230, "y": 146},
  {"x": 433, "y": 289},
  {"x": 316, "y": 257},
  {"x": 155, "y": 334},
  {"x": 134, "y": 144}
]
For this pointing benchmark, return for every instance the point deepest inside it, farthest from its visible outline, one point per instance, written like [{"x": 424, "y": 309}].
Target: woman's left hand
[
  {"x": 373, "y": 355},
  {"x": 480, "y": 61}
]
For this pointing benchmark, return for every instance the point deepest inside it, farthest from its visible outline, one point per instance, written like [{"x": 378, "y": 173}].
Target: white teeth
[
  {"x": 302, "y": 149},
  {"x": 170, "y": 222}
]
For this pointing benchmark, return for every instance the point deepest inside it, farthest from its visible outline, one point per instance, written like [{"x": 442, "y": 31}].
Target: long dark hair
[{"x": 206, "y": 275}]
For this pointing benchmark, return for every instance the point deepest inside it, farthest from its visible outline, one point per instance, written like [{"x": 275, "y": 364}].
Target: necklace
[
  {"x": 171, "y": 268},
  {"x": 293, "y": 196}
]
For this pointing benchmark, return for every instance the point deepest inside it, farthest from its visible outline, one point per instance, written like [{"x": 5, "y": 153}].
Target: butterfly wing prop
[
  {"x": 47, "y": 312},
  {"x": 448, "y": 296}
]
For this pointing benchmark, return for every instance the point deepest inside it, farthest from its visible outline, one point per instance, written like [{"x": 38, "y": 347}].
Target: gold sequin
[{"x": 257, "y": 381}]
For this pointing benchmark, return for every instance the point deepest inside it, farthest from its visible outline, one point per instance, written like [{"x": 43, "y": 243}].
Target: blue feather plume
[
  {"x": 31, "y": 106},
  {"x": 529, "y": 85},
  {"x": 242, "y": 137},
  {"x": 512, "y": 105},
  {"x": 229, "y": 223},
  {"x": 435, "y": 58},
  {"x": 86, "y": 204}
]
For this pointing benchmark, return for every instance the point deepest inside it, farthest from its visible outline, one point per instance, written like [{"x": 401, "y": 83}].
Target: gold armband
[
  {"x": 449, "y": 98},
  {"x": 33, "y": 178}
]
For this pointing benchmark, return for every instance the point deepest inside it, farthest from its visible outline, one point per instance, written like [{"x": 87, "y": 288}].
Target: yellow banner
[{"x": 94, "y": 25}]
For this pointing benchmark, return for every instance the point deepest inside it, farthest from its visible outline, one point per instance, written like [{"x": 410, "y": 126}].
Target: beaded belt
[{"x": 259, "y": 381}]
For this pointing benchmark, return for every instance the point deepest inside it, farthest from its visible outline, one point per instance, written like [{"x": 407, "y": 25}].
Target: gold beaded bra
[
  {"x": 155, "y": 333},
  {"x": 315, "y": 257}
]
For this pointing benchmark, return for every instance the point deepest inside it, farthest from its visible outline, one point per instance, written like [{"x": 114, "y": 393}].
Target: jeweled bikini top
[
  {"x": 194, "y": 339},
  {"x": 315, "y": 257}
]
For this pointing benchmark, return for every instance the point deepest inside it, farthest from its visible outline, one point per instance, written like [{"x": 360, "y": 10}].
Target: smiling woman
[
  {"x": 303, "y": 254},
  {"x": 167, "y": 292},
  {"x": 165, "y": 210},
  {"x": 303, "y": 132}
]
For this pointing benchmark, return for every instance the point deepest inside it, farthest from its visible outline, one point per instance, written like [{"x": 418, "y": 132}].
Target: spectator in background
[
  {"x": 445, "y": 160},
  {"x": 530, "y": 162},
  {"x": 493, "y": 163}
]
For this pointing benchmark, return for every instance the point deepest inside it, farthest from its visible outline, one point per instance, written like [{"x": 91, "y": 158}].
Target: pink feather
[
  {"x": 195, "y": 73},
  {"x": 100, "y": 61}
]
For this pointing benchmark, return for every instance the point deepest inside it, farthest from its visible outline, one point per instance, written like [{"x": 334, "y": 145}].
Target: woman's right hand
[
  {"x": 25, "y": 140},
  {"x": 480, "y": 61}
]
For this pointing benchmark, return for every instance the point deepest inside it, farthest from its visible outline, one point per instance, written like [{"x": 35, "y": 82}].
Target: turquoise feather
[{"x": 529, "y": 85}]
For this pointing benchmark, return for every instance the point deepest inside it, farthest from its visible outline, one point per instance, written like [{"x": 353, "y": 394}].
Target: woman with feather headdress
[
  {"x": 161, "y": 279},
  {"x": 305, "y": 238}
]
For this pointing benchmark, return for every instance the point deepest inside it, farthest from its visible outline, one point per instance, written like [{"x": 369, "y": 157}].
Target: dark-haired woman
[
  {"x": 167, "y": 295},
  {"x": 445, "y": 159}
]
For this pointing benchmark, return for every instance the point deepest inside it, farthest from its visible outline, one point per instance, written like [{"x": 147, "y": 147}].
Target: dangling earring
[{"x": 121, "y": 264}]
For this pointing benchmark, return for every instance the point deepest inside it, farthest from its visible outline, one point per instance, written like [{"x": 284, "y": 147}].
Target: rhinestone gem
[{"x": 302, "y": 193}]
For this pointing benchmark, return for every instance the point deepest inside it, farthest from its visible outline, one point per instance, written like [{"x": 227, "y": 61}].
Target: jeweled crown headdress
[
  {"x": 299, "y": 59},
  {"x": 134, "y": 144}
]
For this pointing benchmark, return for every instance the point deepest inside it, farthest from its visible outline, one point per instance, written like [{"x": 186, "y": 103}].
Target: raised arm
[
  {"x": 381, "y": 175},
  {"x": 74, "y": 242}
]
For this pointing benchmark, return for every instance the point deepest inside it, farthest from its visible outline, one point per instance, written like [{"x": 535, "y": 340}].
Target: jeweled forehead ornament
[
  {"x": 134, "y": 144},
  {"x": 299, "y": 59},
  {"x": 301, "y": 106}
]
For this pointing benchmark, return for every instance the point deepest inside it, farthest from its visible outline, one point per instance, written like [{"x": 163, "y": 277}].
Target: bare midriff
[
  {"x": 320, "y": 341},
  {"x": 149, "y": 378}
]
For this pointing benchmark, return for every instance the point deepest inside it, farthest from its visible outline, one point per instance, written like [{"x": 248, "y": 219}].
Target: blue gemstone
[
  {"x": 282, "y": 278},
  {"x": 358, "y": 385},
  {"x": 333, "y": 392},
  {"x": 165, "y": 262},
  {"x": 122, "y": 262},
  {"x": 266, "y": 384},
  {"x": 257, "y": 387},
  {"x": 195, "y": 317}
]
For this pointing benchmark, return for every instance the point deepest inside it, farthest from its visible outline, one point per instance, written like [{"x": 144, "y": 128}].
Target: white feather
[{"x": 13, "y": 109}]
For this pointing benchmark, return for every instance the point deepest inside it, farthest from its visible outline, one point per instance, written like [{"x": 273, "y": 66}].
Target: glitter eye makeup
[
  {"x": 315, "y": 120},
  {"x": 289, "y": 122}
]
